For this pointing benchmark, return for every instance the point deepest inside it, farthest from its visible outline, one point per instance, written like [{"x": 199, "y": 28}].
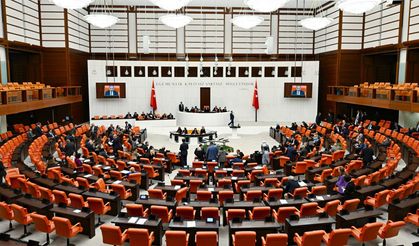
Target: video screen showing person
[
  {"x": 299, "y": 91},
  {"x": 112, "y": 91}
]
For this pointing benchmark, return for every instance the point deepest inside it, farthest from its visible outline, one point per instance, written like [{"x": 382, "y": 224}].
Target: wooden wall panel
[
  {"x": 350, "y": 68},
  {"x": 54, "y": 65},
  {"x": 327, "y": 77},
  {"x": 412, "y": 66}
]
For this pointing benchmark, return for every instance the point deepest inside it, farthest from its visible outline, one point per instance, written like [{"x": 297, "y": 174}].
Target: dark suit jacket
[
  {"x": 367, "y": 155},
  {"x": 184, "y": 149},
  {"x": 349, "y": 192},
  {"x": 69, "y": 149},
  {"x": 291, "y": 185}
]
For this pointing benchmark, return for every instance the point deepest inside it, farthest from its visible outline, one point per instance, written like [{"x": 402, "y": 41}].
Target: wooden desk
[
  {"x": 45, "y": 182},
  {"x": 360, "y": 172},
  {"x": 322, "y": 200},
  {"x": 307, "y": 224},
  {"x": 194, "y": 226},
  {"x": 151, "y": 225},
  {"x": 340, "y": 163},
  {"x": 358, "y": 218},
  {"x": 330, "y": 184},
  {"x": 69, "y": 189},
  {"x": 114, "y": 200},
  {"x": 35, "y": 205},
  {"x": 285, "y": 203},
  {"x": 159, "y": 169},
  {"x": 240, "y": 205},
  {"x": 159, "y": 202},
  {"x": 398, "y": 211},
  {"x": 135, "y": 189},
  {"x": 368, "y": 191},
  {"x": 311, "y": 173},
  {"x": 392, "y": 183},
  {"x": 198, "y": 205},
  {"x": 261, "y": 178},
  {"x": 259, "y": 226},
  {"x": 8, "y": 195},
  {"x": 170, "y": 190},
  {"x": 189, "y": 178},
  {"x": 87, "y": 220}
]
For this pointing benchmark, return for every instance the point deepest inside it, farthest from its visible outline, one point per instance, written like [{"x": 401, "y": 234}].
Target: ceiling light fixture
[
  {"x": 73, "y": 4},
  {"x": 357, "y": 6},
  {"x": 316, "y": 23},
  {"x": 247, "y": 21},
  {"x": 175, "y": 21},
  {"x": 170, "y": 5},
  {"x": 101, "y": 20},
  {"x": 265, "y": 5}
]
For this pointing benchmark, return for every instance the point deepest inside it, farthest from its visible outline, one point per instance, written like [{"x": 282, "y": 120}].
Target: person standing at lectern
[
  {"x": 183, "y": 152},
  {"x": 181, "y": 107},
  {"x": 231, "y": 119}
]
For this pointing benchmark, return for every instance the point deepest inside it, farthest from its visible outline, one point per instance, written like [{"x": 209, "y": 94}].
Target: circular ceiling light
[
  {"x": 247, "y": 21},
  {"x": 265, "y": 5},
  {"x": 175, "y": 21},
  {"x": 357, "y": 6},
  {"x": 101, "y": 20},
  {"x": 316, "y": 23},
  {"x": 170, "y": 5},
  {"x": 72, "y": 4}
]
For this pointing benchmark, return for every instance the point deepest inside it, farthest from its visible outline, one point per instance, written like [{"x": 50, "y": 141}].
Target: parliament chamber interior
[{"x": 197, "y": 122}]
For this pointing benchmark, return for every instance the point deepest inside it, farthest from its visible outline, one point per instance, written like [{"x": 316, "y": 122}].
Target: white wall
[{"x": 235, "y": 93}]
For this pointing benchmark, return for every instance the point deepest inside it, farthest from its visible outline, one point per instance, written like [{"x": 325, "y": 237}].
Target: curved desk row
[{"x": 188, "y": 137}]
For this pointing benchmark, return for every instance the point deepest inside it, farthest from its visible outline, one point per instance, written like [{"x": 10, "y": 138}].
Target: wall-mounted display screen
[
  {"x": 110, "y": 90},
  {"x": 298, "y": 90}
]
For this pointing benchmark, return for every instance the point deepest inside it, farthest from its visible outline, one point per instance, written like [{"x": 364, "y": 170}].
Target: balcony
[
  {"x": 18, "y": 101},
  {"x": 396, "y": 99}
]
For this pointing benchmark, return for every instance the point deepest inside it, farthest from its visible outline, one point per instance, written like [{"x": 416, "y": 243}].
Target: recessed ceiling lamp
[
  {"x": 357, "y": 6},
  {"x": 175, "y": 21},
  {"x": 247, "y": 21},
  {"x": 170, "y": 5},
  {"x": 101, "y": 20},
  {"x": 265, "y": 5},
  {"x": 316, "y": 23},
  {"x": 72, "y": 4}
]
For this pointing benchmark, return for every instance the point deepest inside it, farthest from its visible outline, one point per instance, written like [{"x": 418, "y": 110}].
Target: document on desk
[
  {"x": 283, "y": 201},
  {"x": 133, "y": 220},
  {"x": 141, "y": 221},
  {"x": 87, "y": 161},
  {"x": 190, "y": 224},
  {"x": 228, "y": 169},
  {"x": 302, "y": 183},
  {"x": 177, "y": 187},
  {"x": 117, "y": 182},
  {"x": 125, "y": 172},
  {"x": 320, "y": 198},
  {"x": 87, "y": 176},
  {"x": 233, "y": 178},
  {"x": 211, "y": 189},
  {"x": 77, "y": 211}
]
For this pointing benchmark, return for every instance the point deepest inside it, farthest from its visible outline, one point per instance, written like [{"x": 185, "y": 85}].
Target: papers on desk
[
  {"x": 302, "y": 183},
  {"x": 87, "y": 161},
  {"x": 77, "y": 211},
  {"x": 125, "y": 172},
  {"x": 190, "y": 224},
  {"x": 117, "y": 182},
  {"x": 234, "y": 178},
  {"x": 87, "y": 176},
  {"x": 258, "y": 167},
  {"x": 131, "y": 162},
  {"x": 177, "y": 187},
  {"x": 132, "y": 220},
  {"x": 320, "y": 198},
  {"x": 283, "y": 201},
  {"x": 112, "y": 156},
  {"x": 141, "y": 221},
  {"x": 211, "y": 189},
  {"x": 81, "y": 158},
  {"x": 228, "y": 169},
  {"x": 107, "y": 168}
]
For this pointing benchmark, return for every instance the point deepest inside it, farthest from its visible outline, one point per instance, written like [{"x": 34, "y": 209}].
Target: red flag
[
  {"x": 153, "y": 102},
  {"x": 255, "y": 103}
]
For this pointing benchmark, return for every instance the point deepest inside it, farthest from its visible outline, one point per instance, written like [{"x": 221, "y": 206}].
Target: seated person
[
  {"x": 135, "y": 115},
  {"x": 349, "y": 190},
  {"x": 239, "y": 154},
  {"x": 291, "y": 185},
  {"x": 341, "y": 183},
  {"x": 185, "y": 131},
  {"x": 203, "y": 131},
  {"x": 215, "y": 109},
  {"x": 187, "y": 109},
  {"x": 170, "y": 116},
  {"x": 225, "y": 109},
  {"x": 195, "y": 131},
  {"x": 128, "y": 116},
  {"x": 179, "y": 130},
  {"x": 164, "y": 116}
]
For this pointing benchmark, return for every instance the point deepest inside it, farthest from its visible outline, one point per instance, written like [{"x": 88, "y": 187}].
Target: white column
[
  {"x": 180, "y": 43},
  {"x": 274, "y": 31},
  {"x": 132, "y": 33},
  {"x": 228, "y": 33}
]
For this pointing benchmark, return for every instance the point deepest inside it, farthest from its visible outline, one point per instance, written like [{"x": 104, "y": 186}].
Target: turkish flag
[
  {"x": 153, "y": 102},
  {"x": 255, "y": 103}
]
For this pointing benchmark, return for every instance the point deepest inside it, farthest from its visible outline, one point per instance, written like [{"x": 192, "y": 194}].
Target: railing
[
  {"x": 29, "y": 95},
  {"x": 398, "y": 99}
]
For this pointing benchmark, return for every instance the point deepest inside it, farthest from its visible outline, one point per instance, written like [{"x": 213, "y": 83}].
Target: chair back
[
  {"x": 210, "y": 212},
  {"x": 42, "y": 223},
  {"x": 186, "y": 213},
  {"x": 203, "y": 195},
  {"x": 369, "y": 231},
  {"x": 111, "y": 234},
  {"x": 285, "y": 212},
  {"x": 193, "y": 185},
  {"x": 6, "y": 211},
  {"x": 277, "y": 193},
  {"x": 277, "y": 239},
  {"x": 96, "y": 205},
  {"x": 301, "y": 192},
  {"x": 351, "y": 205},
  {"x": 176, "y": 238},
  {"x": 260, "y": 213},
  {"x": 331, "y": 208},
  {"x": 391, "y": 229},
  {"x": 224, "y": 194},
  {"x": 206, "y": 238},
  {"x": 312, "y": 238},
  {"x": 245, "y": 238},
  {"x": 308, "y": 209},
  {"x": 135, "y": 210},
  {"x": 138, "y": 237},
  {"x": 381, "y": 198},
  {"x": 182, "y": 193},
  {"x": 62, "y": 227},
  {"x": 319, "y": 190},
  {"x": 100, "y": 185},
  {"x": 77, "y": 201},
  {"x": 136, "y": 177},
  {"x": 253, "y": 194},
  {"x": 339, "y": 237},
  {"x": 161, "y": 212},
  {"x": 60, "y": 197}
]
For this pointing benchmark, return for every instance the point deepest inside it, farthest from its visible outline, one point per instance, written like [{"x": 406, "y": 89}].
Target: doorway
[{"x": 205, "y": 98}]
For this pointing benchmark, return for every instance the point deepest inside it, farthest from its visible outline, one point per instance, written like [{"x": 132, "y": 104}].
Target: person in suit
[
  {"x": 291, "y": 185},
  {"x": 202, "y": 131},
  {"x": 222, "y": 157},
  {"x": 38, "y": 130},
  {"x": 212, "y": 152},
  {"x": 195, "y": 131},
  {"x": 111, "y": 92},
  {"x": 231, "y": 119},
  {"x": 298, "y": 92},
  {"x": 69, "y": 148},
  {"x": 199, "y": 153},
  {"x": 291, "y": 152},
  {"x": 367, "y": 155},
  {"x": 181, "y": 107},
  {"x": 184, "y": 152},
  {"x": 2, "y": 171},
  {"x": 239, "y": 154},
  {"x": 349, "y": 190},
  {"x": 128, "y": 116}
]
